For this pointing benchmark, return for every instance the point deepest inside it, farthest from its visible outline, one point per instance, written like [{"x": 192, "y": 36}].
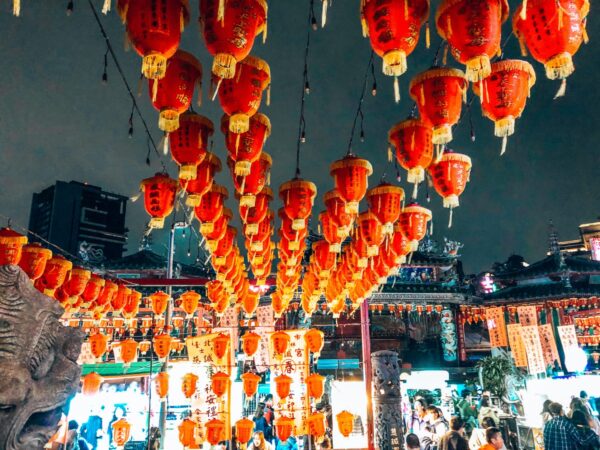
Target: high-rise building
[{"x": 82, "y": 219}]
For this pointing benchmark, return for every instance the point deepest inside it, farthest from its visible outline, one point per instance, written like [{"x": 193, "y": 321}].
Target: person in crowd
[
  {"x": 436, "y": 427},
  {"x": 478, "y": 436},
  {"x": 91, "y": 431},
  {"x": 454, "y": 439},
  {"x": 546, "y": 416},
  {"x": 581, "y": 422},
  {"x": 416, "y": 422},
  {"x": 325, "y": 444},
  {"x": 74, "y": 442},
  {"x": 289, "y": 444},
  {"x": 494, "y": 439},
  {"x": 259, "y": 442},
  {"x": 413, "y": 442},
  {"x": 467, "y": 410},
  {"x": 577, "y": 404},
  {"x": 561, "y": 434},
  {"x": 260, "y": 422},
  {"x": 487, "y": 410},
  {"x": 586, "y": 401}
]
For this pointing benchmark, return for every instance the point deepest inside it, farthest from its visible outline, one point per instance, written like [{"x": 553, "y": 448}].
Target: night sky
[{"x": 58, "y": 121}]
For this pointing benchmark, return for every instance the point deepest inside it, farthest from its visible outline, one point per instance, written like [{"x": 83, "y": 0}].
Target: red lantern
[
  {"x": 33, "y": 260},
  {"x": 351, "y": 177},
  {"x": 280, "y": 341},
  {"x": 189, "y": 302},
  {"x": 188, "y": 384},
  {"x": 283, "y": 385},
  {"x": 201, "y": 184},
  {"x": 250, "y": 342},
  {"x": 345, "y": 422},
  {"x": 315, "y": 384},
  {"x": 154, "y": 29},
  {"x": 219, "y": 230},
  {"x": 91, "y": 384},
  {"x": 159, "y": 197},
  {"x": 241, "y": 95},
  {"x": 330, "y": 232},
  {"x": 553, "y": 31},
  {"x": 172, "y": 94},
  {"x": 229, "y": 31},
  {"x": 250, "y": 383},
  {"x": 54, "y": 275},
  {"x": 188, "y": 431},
  {"x": 323, "y": 258},
  {"x": 298, "y": 196},
  {"x": 284, "y": 427},
  {"x": 159, "y": 302},
  {"x": 438, "y": 93},
  {"x": 77, "y": 282},
  {"x": 316, "y": 424},
  {"x": 98, "y": 345},
  {"x": 393, "y": 29},
  {"x": 215, "y": 431},
  {"x": 336, "y": 207},
  {"x": 250, "y": 302},
  {"x": 93, "y": 288},
  {"x": 505, "y": 93},
  {"x": 385, "y": 202},
  {"x": 414, "y": 148},
  {"x": 220, "y": 383},
  {"x": 161, "y": 383},
  {"x": 221, "y": 345},
  {"x": 314, "y": 341},
  {"x": 249, "y": 186},
  {"x": 120, "y": 299},
  {"x": 413, "y": 223},
  {"x": 162, "y": 346},
  {"x": 189, "y": 143},
  {"x": 211, "y": 207},
  {"x": 243, "y": 430},
  {"x": 11, "y": 246},
  {"x": 286, "y": 231},
  {"x": 224, "y": 246},
  {"x": 473, "y": 31},
  {"x": 129, "y": 349},
  {"x": 450, "y": 176},
  {"x": 107, "y": 293},
  {"x": 370, "y": 231},
  {"x": 252, "y": 216},
  {"x": 121, "y": 430},
  {"x": 245, "y": 148}
]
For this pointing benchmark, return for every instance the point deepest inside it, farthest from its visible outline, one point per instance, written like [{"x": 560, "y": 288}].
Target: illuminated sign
[{"x": 595, "y": 248}]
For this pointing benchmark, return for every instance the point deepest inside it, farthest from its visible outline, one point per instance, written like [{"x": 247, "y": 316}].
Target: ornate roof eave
[{"x": 556, "y": 291}]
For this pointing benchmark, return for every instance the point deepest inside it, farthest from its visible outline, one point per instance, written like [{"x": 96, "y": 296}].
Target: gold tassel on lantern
[
  {"x": 269, "y": 95},
  {"x": 449, "y": 25},
  {"x": 445, "y": 57},
  {"x": 562, "y": 90},
  {"x": 396, "y": 90},
  {"x": 427, "y": 35},
  {"x": 215, "y": 89},
  {"x": 106, "y": 7},
  {"x": 221, "y": 11},
  {"x": 17, "y": 8},
  {"x": 199, "y": 86},
  {"x": 324, "y": 13},
  {"x": 405, "y": 9},
  {"x": 389, "y": 153},
  {"x": 524, "y": 10},
  {"x": 504, "y": 142}
]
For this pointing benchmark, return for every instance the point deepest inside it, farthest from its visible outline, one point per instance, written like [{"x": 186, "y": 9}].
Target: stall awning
[{"x": 117, "y": 370}]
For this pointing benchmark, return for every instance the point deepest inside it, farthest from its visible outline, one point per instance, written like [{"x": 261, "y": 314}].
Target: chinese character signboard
[
  {"x": 497, "y": 327},
  {"x": 527, "y": 315},
  {"x": 568, "y": 336},
  {"x": 517, "y": 347},
  {"x": 265, "y": 326},
  {"x": 548, "y": 344},
  {"x": 535, "y": 354}
]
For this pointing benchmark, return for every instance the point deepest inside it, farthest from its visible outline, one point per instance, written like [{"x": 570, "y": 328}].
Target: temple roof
[
  {"x": 548, "y": 291},
  {"x": 552, "y": 264},
  {"x": 148, "y": 260}
]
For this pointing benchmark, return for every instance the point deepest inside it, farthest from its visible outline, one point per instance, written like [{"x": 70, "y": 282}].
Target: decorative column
[
  {"x": 386, "y": 401},
  {"x": 448, "y": 335}
]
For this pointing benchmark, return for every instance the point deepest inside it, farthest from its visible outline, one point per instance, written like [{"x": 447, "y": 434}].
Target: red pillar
[{"x": 367, "y": 372}]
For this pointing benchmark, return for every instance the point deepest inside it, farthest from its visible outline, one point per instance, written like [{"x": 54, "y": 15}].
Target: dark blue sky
[{"x": 57, "y": 121}]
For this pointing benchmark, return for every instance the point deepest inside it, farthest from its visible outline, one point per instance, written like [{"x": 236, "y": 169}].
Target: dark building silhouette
[{"x": 82, "y": 219}]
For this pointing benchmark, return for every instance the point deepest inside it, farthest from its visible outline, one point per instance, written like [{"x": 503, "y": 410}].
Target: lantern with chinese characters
[
  {"x": 330, "y": 231},
  {"x": 188, "y": 384},
  {"x": 55, "y": 273},
  {"x": 250, "y": 383},
  {"x": 129, "y": 349},
  {"x": 92, "y": 289},
  {"x": 351, "y": 177},
  {"x": 172, "y": 94},
  {"x": 280, "y": 342},
  {"x": 370, "y": 232},
  {"x": 188, "y": 430},
  {"x": 245, "y": 148},
  {"x": 250, "y": 302},
  {"x": 414, "y": 148},
  {"x": 107, "y": 293},
  {"x": 98, "y": 345},
  {"x": 220, "y": 383},
  {"x": 315, "y": 385},
  {"x": 33, "y": 260},
  {"x": 283, "y": 385},
  {"x": 215, "y": 431},
  {"x": 284, "y": 426},
  {"x": 252, "y": 216},
  {"x": 438, "y": 93},
  {"x": 162, "y": 346},
  {"x": 77, "y": 282},
  {"x": 316, "y": 425},
  {"x": 314, "y": 341},
  {"x": 159, "y": 301},
  {"x": 241, "y": 95},
  {"x": 121, "y": 430},
  {"x": 219, "y": 230},
  {"x": 250, "y": 342},
  {"x": 345, "y": 422},
  {"x": 161, "y": 383},
  {"x": 552, "y": 31},
  {"x": 323, "y": 258},
  {"x": 159, "y": 197},
  {"x": 203, "y": 181},
  {"x": 243, "y": 430},
  {"x": 250, "y": 185},
  {"x": 336, "y": 207},
  {"x": 120, "y": 298},
  {"x": 189, "y": 302},
  {"x": 393, "y": 29},
  {"x": 298, "y": 196},
  {"x": 90, "y": 384},
  {"x": 220, "y": 345},
  {"x": 504, "y": 94},
  {"x": 154, "y": 29},
  {"x": 385, "y": 202},
  {"x": 286, "y": 231},
  {"x": 229, "y": 29},
  {"x": 11, "y": 246},
  {"x": 473, "y": 30},
  {"x": 224, "y": 246},
  {"x": 413, "y": 223},
  {"x": 450, "y": 176},
  {"x": 211, "y": 207},
  {"x": 189, "y": 143}
]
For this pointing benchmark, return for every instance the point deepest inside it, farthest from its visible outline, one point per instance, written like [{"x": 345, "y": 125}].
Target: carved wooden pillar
[{"x": 386, "y": 401}]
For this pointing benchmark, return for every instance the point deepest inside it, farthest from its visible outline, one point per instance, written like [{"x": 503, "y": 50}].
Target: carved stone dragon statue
[{"x": 38, "y": 368}]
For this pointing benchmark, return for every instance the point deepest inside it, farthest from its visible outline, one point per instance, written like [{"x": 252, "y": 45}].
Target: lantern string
[
  {"x": 105, "y": 72},
  {"x": 305, "y": 87},
  {"x": 70, "y": 7},
  {"x": 359, "y": 111},
  {"x": 130, "y": 132}
]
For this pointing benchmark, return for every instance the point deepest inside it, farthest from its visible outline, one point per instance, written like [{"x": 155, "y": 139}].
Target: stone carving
[
  {"x": 386, "y": 400},
  {"x": 38, "y": 369}
]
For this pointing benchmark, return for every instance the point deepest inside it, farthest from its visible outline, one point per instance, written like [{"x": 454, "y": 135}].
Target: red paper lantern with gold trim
[
  {"x": 345, "y": 423},
  {"x": 159, "y": 301},
  {"x": 221, "y": 345},
  {"x": 211, "y": 207},
  {"x": 229, "y": 29},
  {"x": 77, "y": 281},
  {"x": 287, "y": 231},
  {"x": 219, "y": 383},
  {"x": 189, "y": 302},
  {"x": 245, "y": 148},
  {"x": 224, "y": 246},
  {"x": 314, "y": 341},
  {"x": 473, "y": 31},
  {"x": 414, "y": 148},
  {"x": 159, "y": 197},
  {"x": 243, "y": 430},
  {"x": 370, "y": 230},
  {"x": 351, "y": 177},
  {"x": 385, "y": 202},
  {"x": 93, "y": 288},
  {"x": 413, "y": 223},
  {"x": 284, "y": 426},
  {"x": 11, "y": 246},
  {"x": 215, "y": 431},
  {"x": 438, "y": 93},
  {"x": 280, "y": 341},
  {"x": 33, "y": 260},
  {"x": 336, "y": 207},
  {"x": 90, "y": 384},
  {"x": 251, "y": 216},
  {"x": 189, "y": 143},
  {"x": 188, "y": 432},
  {"x": 188, "y": 384},
  {"x": 107, "y": 293},
  {"x": 250, "y": 383},
  {"x": 98, "y": 345},
  {"x": 250, "y": 342},
  {"x": 316, "y": 424},
  {"x": 56, "y": 271},
  {"x": 120, "y": 299},
  {"x": 450, "y": 176},
  {"x": 248, "y": 186},
  {"x": 129, "y": 349},
  {"x": 201, "y": 184},
  {"x": 298, "y": 196},
  {"x": 330, "y": 231},
  {"x": 324, "y": 259},
  {"x": 241, "y": 95},
  {"x": 283, "y": 385},
  {"x": 121, "y": 431},
  {"x": 315, "y": 384},
  {"x": 161, "y": 384},
  {"x": 162, "y": 345},
  {"x": 219, "y": 230}
]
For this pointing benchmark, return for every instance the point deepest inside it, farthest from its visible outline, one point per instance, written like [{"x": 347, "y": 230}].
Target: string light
[{"x": 359, "y": 112}]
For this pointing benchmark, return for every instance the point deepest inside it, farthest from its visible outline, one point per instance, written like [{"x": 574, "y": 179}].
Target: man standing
[
  {"x": 561, "y": 434},
  {"x": 454, "y": 439},
  {"x": 494, "y": 439}
]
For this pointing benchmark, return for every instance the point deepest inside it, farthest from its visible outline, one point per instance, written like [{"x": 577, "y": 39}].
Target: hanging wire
[
  {"x": 359, "y": 111},
  {"x": 130, "y": 132},
  {"x": 374, "y": 87},
  {"x": 105, "y": 72},
  {"x": 70, "y": 7}
]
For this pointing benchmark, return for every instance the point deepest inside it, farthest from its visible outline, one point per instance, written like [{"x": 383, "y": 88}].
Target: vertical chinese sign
[
  {"x": 548, "y": 344},
  {"x": 497, "y": 327},
  {"x": 527, "y": 315},
  {"x": 265, "y": 326},
  {"x": 533, "y": 347},
  {"x": 517, "y": 347}
]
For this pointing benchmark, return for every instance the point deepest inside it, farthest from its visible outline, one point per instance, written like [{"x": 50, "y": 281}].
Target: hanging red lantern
[
  {"x": 159, "y": 197},
  {"x": 552, "y": 31},
  {"x": 330, "y": 231},
  {"x": 161, "y": 383},
  {"x": 251, "y": 216},
  {"x": 172, "y": 94},
  {"x": 283, "y": 385},
  {"x": 107, "y": 293},
  {"x": 220, "y": 383},
  {"x": 93, "y": 288},
  {"x": 450, "y": 176},
  {"x": 188, "y": 431},
  {"x": 245, "y": 148},
  {"x": 154, "y": 29},
  {"x": 91, "y": 384},
  {"x": 284, "y": 426},
  {"x": 351, "y": 177},
  {"x": 336, "y": 207},
  {"x": 243, "y": 430},
  {"x": 221, "y": 345},
  {"x": 278, "y": 302},
  {"x": 280, "y": 341},
  {"x": 315, "y": 384},
  {"x": 370, "y": 231},
  {"x": 98, "y": 345},
  {"x": 11, "y": 246},
  {"x": 55, "y": 273},
  {"x": 298, "y": 196},
  {"x": 324, "y": 259},
  {"x": 77, "y": 281},
  {"x": 414, "y": 148},
  {"x": 248, "y": 186},
  {"x": 314, "y": 341},
  {"x": 224, "y": 246},
  {"x": 229, "y": 30},
  {"x": 345, "y": 422},
  {"x": 316, "y": 425},
  {"x": 287, "y": 231},
  {"x": 393, "y": 29},
  {"x": 413, "y": 223},
  {"x": 211, "y": 207},
  {"x": 189, "y": 302},
  {"x": 162, "y": 346},
  {"x": 241, "y": 95},
  {"x": 473, "y": 31},
  {"x": 159, "y": 301},
  {"x": 215, "y": 431},
  {"x": 504, "y": 95},
  {"x": 129, "y": 349},
  {"x": 219, "y": 230},
  {"x": 188, "y": 384},
  {"x": 202, "y": 183},
  {"x": 189, "y": 143},
  {"x": 120, "y": 299},
  {"x": 250, "y": 342},
  {"x": 121, "y": 431},
  {"x": 438, "y": 93},
  {"x": 33, "y": 260},
  {"x": 250, "y": 302},
  {"x": 385, "y": 202},
  {"x": 250, "y": 383}
]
